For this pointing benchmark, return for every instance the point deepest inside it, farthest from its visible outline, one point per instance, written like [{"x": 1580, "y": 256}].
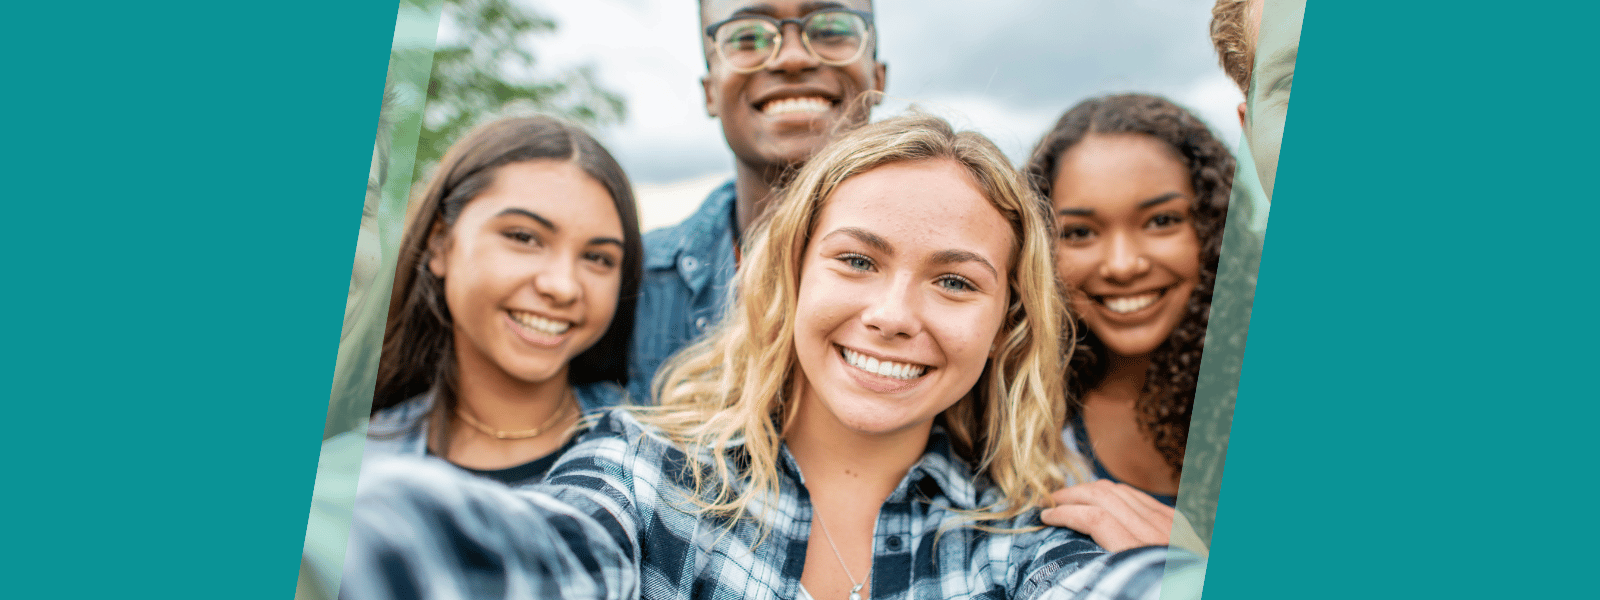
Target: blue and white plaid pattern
[{"x": 612, "y": 521}]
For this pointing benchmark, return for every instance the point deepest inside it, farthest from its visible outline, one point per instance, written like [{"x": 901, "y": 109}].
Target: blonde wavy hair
[{"x": 736, "y": 387}]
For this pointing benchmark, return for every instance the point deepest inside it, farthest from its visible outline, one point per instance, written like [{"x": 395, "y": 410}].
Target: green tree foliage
[{"x": 484, "y": 67}]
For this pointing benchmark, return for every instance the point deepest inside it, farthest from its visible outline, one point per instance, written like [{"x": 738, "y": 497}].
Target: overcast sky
[{"x": 1006, "y": 68}]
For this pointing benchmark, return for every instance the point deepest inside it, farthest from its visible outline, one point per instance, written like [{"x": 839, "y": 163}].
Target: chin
[{"x": 1130, "y": 348}]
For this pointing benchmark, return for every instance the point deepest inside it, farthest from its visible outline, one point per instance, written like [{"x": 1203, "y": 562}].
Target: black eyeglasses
[{"x": 834, "y": 36}]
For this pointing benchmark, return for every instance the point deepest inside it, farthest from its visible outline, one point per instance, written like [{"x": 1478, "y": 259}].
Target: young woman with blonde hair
[{"x": 876, "y": 417}]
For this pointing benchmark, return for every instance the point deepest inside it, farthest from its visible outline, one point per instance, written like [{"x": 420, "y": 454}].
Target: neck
[
  {"x": 848, "y": 476},
  {"x": 507, "y": 404},
  {"x": 840, "y": 462},
  {"x": 1111, "y": 416},
  {"x": 1124, "y": 379},
  {"x": 755, "y": 189}
]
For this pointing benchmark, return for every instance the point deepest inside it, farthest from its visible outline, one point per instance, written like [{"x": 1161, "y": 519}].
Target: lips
[
  {"x": 804, "y": 105},
  {"x": 1131, "y": 303},
  {"x": 805, "y": 101},
  {"x": 538, "y": 329},
  {"x": 903, "y": 371}
]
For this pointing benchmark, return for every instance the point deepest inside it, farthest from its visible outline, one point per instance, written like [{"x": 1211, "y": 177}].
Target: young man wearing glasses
[{"x": 783, "y": 76}]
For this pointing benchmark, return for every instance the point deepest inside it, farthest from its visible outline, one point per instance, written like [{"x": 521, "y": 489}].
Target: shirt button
[
  {"x": 893, "y": 542},
  {"x": 690, "y": 263},
  {"x": 701, "y": 323}
]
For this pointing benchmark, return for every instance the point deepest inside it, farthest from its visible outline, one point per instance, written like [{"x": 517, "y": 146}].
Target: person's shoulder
[
  {"x": 619, "y": 428},
  {"x": 400, "y": 429},
  {"x": 402, "y": 415},
  {"x": 662, "y": 244},
  {"x": 599, "y": 396}
]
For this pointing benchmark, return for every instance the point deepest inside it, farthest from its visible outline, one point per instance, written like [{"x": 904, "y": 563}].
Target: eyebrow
[
  {"x": 1159, "y": 199},
  {"x": 866, "y": 237},
  {"x": 1085, "y": 212},
  {"x": 605, "y": 240},
  {"x": 772, "y": 11},
  {"x": 531, "y": 215},
  {"x": 948, "y": 257}
]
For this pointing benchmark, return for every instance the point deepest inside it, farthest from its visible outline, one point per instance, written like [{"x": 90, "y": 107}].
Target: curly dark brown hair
[{"x": 1168, "y": 399}]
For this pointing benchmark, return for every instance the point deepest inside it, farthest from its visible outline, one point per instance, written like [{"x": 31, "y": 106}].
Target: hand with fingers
[{"x": 1115, "y": 515}]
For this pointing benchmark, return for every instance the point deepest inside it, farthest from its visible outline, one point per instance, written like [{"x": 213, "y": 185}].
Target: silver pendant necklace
[{"x": 855, "y": 592}]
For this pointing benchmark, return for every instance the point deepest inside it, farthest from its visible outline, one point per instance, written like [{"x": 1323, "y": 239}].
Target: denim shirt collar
[{"x": 684, "y": 247}]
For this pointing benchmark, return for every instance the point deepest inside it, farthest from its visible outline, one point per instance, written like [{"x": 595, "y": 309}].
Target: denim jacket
[{"x": 688, "y": 269}]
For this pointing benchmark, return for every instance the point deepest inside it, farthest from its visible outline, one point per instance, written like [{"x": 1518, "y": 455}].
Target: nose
[
  {"x": 1125, "y": 260},
  {"x": 792, "y": 54},
  {"x": 893, "y": 311},
  {"x": 557, "y": 282}
]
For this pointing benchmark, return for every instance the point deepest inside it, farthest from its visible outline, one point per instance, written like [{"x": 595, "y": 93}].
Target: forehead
[
  {"x": 924, "y": 205},
  {"x": 556, "y": 190},
  {"x": 1119, "y": 167},
  {"x": 712, "y": 11},
  {"x": 1252, "y": 20}
]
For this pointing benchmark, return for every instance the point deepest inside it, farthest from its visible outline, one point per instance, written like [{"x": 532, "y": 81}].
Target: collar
[
  {"x": 697, "y": 245},
  {"x": 939, "y": 473}
]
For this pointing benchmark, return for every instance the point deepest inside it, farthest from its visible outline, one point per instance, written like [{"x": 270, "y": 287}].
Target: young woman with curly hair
[
  {"x": 1139, "y": 189},
  {"x": 877, "y": 417}
]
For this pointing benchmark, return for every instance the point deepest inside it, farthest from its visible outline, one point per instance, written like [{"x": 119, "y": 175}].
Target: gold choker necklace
[{"x": 559, "y": 416}]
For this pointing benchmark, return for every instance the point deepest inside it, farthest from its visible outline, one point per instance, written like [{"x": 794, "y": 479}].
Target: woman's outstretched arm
[{"x": 422, "y": 529}]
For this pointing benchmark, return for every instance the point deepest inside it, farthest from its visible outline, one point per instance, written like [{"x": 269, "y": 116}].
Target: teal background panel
[
  {"x": 1414, "y": 415},
  {"x": 184, "y": 190},
  {"x": 184, "y": 185}
]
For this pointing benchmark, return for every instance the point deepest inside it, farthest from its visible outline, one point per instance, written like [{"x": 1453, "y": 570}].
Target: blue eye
[
  {"x": 957, "y": 283},
  {"x": 856, "y": 261}
]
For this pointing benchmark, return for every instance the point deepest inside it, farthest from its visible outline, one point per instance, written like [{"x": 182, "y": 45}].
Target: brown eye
[
  {"x": 1076, "y": 233},
  {"x": 601, "y": 258},
  {"x": 1165, "y": 220},
  {"x": 523, "y": 236}
]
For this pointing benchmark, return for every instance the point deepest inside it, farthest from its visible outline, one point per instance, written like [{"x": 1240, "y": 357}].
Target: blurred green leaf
[{"x": 490, "y": 70}]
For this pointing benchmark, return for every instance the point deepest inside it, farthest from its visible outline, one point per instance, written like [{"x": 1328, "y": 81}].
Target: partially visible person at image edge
[{"x": 1241, "y": 34}]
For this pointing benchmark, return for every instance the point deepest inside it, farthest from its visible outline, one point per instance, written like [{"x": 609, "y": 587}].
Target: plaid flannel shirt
[{"x": 612, "y": 521}]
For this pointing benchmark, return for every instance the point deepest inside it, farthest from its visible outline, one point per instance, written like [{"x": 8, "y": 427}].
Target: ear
[
  {"x": 1241, "y": 115},
  {"x": 438, "y": 246},
  {"x": 711, "y": 105},
  {"x": 881, "y": 70}
]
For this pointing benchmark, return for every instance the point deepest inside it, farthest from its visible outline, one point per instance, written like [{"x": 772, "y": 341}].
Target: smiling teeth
[
  {"x": 541, "y": 324},
  {"x": 884, "y": 368},
  {"x": 1128, "y": 304},
  {"x": 796, "y": 105}
]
